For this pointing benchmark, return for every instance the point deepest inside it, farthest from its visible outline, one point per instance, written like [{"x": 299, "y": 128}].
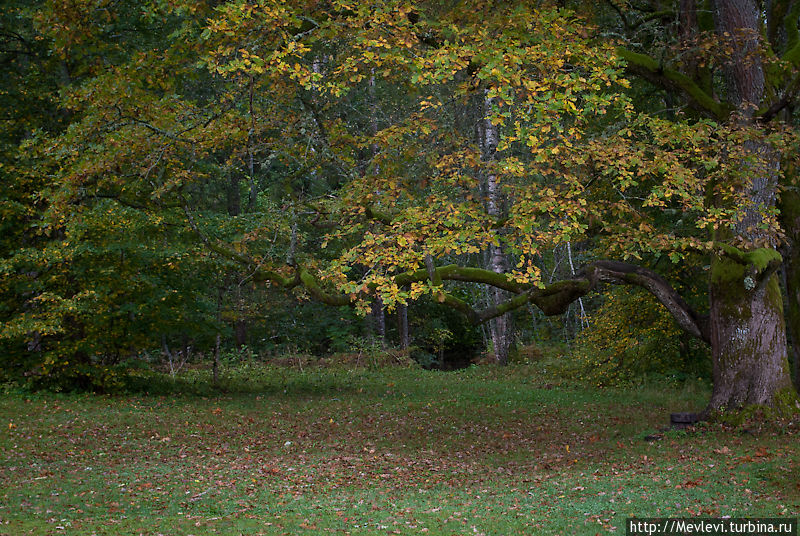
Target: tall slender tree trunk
[
  {"x": 402, "y": 326},
  {"x": 240, "y": 323},
  {"x": 790, "y": 220},
  {"x": 218, "y": 345},
  {"x": 234, "y": 196},
  {"x": 378, "y": 310},
  {"x": 252, "y": 197},
  {"x": 379, "y": 321},
  {"x": 500, "y": 328},
  {"x": 583, "y": 322},
  {"x": 215, "y": 367},
  {"x": 747, "y": 330}
]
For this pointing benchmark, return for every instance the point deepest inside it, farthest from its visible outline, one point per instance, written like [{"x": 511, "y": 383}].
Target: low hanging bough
[{"x": 744, "y": 383}]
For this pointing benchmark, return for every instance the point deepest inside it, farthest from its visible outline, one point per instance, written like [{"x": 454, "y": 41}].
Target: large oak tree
[
  {"x": 378, "y": 185},
  {"x": 736, "y": 62}
]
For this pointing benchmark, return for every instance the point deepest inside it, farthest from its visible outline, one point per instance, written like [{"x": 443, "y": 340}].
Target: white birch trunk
[{"x": 500, "y": 328}]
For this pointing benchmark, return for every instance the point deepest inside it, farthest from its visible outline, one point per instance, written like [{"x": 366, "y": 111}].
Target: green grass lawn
[{"x": 389, "y": 451}]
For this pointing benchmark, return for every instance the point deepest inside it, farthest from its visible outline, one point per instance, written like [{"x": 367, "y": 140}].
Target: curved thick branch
[
  {"x": 630, "y": 274},
  {"x": 552, "y": 299},
  {"x": 256, "y": 271},
  {"x": 454, "y": 272},
  {"x": 555, "y": 298},
  {"x": 313, "y": 287},
  {"x": 670, "y": 79}
]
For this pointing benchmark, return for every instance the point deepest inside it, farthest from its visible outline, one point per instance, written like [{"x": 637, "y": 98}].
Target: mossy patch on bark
[
  {"x": 786, "y": 404},
  {"x": 736, "y": 264}
]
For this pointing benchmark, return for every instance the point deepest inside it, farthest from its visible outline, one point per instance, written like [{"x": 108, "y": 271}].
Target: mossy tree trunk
[
  {"x": 746, "y": 324},
  {"x": 748, "y": 338}
]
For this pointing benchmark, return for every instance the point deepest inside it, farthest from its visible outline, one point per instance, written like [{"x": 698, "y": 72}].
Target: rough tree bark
[
  {"x": 746, "y": 324},
  {"x": 748, "y": 334},
  {"x": 402, "y": 326},
  {"x": 748, "y": 338}
]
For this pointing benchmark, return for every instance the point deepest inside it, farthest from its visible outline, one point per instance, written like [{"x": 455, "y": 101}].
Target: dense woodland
[{"x": 450, "y": 179}]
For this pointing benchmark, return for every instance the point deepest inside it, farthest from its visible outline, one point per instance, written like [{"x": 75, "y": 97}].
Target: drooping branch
[
  {"x": 313, "y": 287},
  {"x": 630, "y": 274},
  {"x": 552, "y": 299},
  {"x": 257, "y": 270},
  {"x": 555, "y": 298},
  {"x": 502, "y": 308},
  {"x": 457, "y": 304}
]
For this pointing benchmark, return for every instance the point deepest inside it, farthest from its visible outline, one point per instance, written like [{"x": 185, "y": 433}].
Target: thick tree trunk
[
  {"x": 745, "y": 327},
  {"x": 748, "y": 341},
  {"x": 501, "y": 330},
  {"x": 747, "y": 330}
]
